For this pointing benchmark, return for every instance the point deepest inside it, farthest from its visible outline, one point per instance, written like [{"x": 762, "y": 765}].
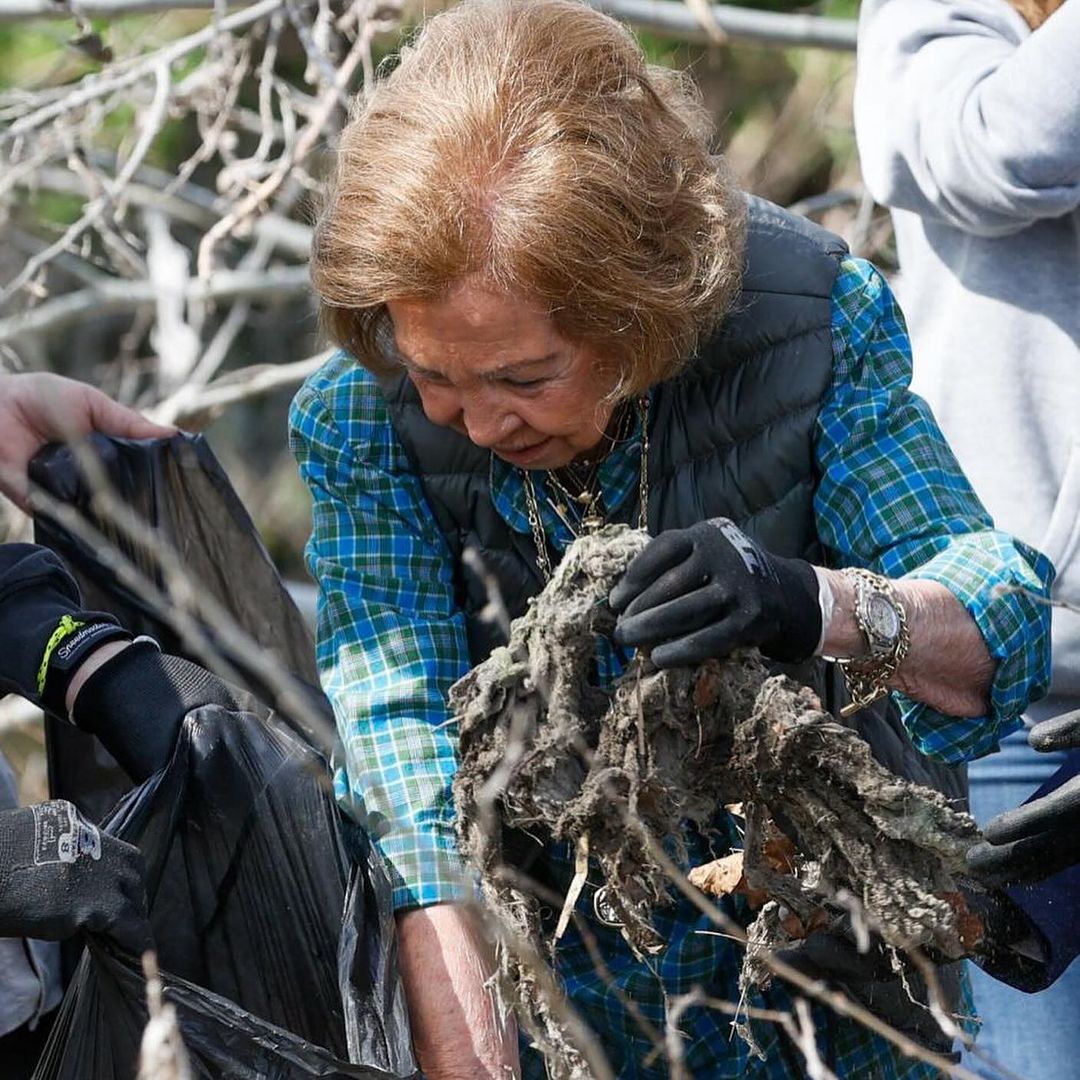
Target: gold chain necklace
[
  {"x": 590, "y": 506},
  {"x": 584, "y": 478},
  {"x": 590, "y": 521}
]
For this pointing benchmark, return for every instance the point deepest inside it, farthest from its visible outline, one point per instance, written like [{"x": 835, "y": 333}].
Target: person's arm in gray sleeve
[{"x": 964, "y": 116}]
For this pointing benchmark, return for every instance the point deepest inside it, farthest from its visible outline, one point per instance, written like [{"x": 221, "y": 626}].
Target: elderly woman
[{"x": 555, "y": 310}]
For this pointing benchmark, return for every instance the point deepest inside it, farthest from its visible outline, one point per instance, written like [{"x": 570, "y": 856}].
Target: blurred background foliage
[{"x": 783, "y": 118}]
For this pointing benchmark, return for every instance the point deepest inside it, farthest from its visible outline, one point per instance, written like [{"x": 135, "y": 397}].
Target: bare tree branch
[
  {"x": 17, "y": 712},
  {"x": 237, "y": 386},
  {"x": 191, "y": 204},
  {"x": 11, "y": 10},
  {"x": 739, "y": 24},
  {"x": 122, "y": 76},
  {"x": 668, "y": 17},
  {"x": 305, "y": 143},
  {"x": 117, "y": 295}
]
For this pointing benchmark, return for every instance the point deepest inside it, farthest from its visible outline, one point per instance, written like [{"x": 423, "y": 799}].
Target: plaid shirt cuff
[
  {"x": 425, "y": 868},
  {"x": 1004, "y": 585},
  {"x": 421, "y": 856}
]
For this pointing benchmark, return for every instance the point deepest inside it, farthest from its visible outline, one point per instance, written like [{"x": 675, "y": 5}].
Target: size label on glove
[{"x": 60, "y": 836}]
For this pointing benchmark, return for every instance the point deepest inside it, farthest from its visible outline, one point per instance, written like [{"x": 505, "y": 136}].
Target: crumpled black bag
[
  {"x": 270, "y": 911},
  {"x": 178, "y": 489},
  {"x": 271, "y": 916}
]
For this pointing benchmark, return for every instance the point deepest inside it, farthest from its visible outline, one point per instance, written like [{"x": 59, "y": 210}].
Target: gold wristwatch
[{"x": 881, "y": 617}]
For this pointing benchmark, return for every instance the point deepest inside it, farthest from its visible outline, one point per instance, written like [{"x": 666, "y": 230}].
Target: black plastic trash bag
[
  {"x": 271, "y": 917},
  {"x": 271, "y": 914},
  {"x": 178, "y": 489}
]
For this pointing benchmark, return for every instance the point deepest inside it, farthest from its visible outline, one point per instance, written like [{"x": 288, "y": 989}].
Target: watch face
[{"x": 882, "y": 618}]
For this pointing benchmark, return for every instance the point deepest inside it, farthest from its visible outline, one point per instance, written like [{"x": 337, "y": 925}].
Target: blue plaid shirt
[{"x": 391, "y": 642}]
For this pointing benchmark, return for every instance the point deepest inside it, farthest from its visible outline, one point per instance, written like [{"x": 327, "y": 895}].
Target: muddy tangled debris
[{"x": 617, "y": 773}]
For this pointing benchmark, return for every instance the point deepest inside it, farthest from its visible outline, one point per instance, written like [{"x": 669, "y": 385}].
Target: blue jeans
[{"x": 1036, "y": 1036}]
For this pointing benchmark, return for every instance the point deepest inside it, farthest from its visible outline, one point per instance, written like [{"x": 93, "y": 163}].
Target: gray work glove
[
  {"x": 59, "y": 875},
  {"x": 832, "y": 956}
]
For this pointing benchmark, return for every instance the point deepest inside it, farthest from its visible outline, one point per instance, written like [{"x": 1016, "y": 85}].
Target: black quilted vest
[{"x": 732, "y": 435}]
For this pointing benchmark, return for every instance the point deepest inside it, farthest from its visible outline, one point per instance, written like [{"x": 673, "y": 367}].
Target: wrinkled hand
[
  {"x": 137, "y": 699},
  {"x": 40, "y": 408},
  {"x": 1040, "y": 838},
  {"x": 701, "y": 592},
  {"x": 62, "y": 875}
]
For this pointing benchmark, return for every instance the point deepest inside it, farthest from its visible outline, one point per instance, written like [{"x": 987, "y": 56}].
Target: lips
[
  {"x": 525, "y": 454},
  {"x": 519, "y": 449}
]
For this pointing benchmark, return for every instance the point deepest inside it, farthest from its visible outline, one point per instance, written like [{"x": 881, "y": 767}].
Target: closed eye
[{"x": 523, "y": 384}]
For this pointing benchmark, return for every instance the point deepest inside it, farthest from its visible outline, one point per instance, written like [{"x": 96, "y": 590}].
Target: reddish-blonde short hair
[{"x": 528, "y": 142}]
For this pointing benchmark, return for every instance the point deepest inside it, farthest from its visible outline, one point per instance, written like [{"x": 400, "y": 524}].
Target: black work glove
[
  {"x": 137, "y": 700},
  {"x": 1012, "y": 948},
  {"x": 701, "y": 592},
  {"x": 832, "y": 956},
  {"x": 59, "y": 874},
  {"x": 1040, "y": 838},
  {"x": 45, "y": 631}
]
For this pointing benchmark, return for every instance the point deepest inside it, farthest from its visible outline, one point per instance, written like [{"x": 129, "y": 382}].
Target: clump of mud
[{"x": 616, "y": 773}]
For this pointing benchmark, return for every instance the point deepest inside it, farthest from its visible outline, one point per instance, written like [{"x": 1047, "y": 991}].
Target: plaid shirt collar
[{"x": 618, "y": 481}]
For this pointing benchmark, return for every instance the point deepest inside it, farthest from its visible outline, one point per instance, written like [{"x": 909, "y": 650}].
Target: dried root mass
[{"x": 547, "y": 753}]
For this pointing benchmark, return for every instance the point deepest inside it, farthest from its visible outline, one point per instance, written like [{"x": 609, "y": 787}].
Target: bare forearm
[
  {"x": 459, "y": 1031},
  {"x": 948, "y": 666},
  {"x": 92, "y": 663}
]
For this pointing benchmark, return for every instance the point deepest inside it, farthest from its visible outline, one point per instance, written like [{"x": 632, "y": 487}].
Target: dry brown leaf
[
  {"x": 721, "y": 877},
  {"x": 779, "y": 851},
  {"x": 969, "y": 926},
  {"x": 796, "y": 929}
]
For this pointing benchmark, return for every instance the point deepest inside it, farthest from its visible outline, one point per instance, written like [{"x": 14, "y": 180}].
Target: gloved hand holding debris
[
  {"x": 134, "y": 701},
  {"x": 697, "y": 593},
  {"x": 62, "y": 875},
  {"x": 879, "y": 978}
]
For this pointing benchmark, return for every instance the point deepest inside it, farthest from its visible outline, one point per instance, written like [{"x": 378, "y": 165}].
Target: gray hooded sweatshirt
[{"x": 969, "y": 129}]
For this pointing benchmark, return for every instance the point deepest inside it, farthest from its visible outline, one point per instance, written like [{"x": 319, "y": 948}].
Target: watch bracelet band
[{"x": 867, "y": 676}]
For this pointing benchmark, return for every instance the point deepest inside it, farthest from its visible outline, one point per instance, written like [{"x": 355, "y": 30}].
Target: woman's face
[{"x": 495, "y": 369}]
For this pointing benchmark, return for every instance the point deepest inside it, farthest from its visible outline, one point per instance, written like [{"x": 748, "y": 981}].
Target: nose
[
  {"x": 486, "y": 421},
  {"x": 478, "y": 414}
]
